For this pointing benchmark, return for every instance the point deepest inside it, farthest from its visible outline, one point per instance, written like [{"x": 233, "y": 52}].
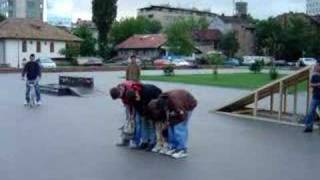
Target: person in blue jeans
[
  {"x": 144, "y": 125},
  {"x": 315, "y": 102},
  {"x": 174, "y": 109},
  {"x": 32, "y": 71}
]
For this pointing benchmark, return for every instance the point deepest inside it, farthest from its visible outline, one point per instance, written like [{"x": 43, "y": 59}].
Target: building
[
  {"x": 313, "y": 7},
  {"x": 146, "y": 47},
  {"x": 244, "y": 30},
  {"x": 21, "y": 37},
  {"x": 241, "y": 8},
  {"x": 168, "y": 15},
  {"x": 22, "y": 8},
  {"x": 59, "y": 13},
  {"x": 206, "y": 40}
]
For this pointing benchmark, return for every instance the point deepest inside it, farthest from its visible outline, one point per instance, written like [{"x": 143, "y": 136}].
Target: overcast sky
[{"x": 258, "y": 8}]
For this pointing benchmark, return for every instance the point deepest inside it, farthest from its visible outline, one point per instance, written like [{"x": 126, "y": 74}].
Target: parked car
[
  {"x": 280, "y": 62},
  {"x": 306, "y": 62},
  {"x": 232, "y": 62},
  {"x": 248, "y": 60},
  {"x": 46, "y": 63},
  {"x": 181, "y": 63},
  {"x": 90, "y": 61},
  {"x": 161, "y": 63}
]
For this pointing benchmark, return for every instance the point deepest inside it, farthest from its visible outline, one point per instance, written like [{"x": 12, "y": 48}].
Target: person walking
[{"x": 315, "y": 102}]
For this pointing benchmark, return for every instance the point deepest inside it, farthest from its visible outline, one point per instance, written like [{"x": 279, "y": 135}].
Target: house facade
[
  {"x": 145, "y": 47},
  {"x": 21, "y": 37}
]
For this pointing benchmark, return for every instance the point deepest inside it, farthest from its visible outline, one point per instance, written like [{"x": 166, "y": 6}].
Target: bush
[
  {"x": 168, "y": 70},
  {"x": 256, "y": 67},
  {"x": 273, "y": 73}
]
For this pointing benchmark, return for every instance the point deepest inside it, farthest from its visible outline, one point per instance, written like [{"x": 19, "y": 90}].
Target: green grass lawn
[{"x": 236, "y": 80}]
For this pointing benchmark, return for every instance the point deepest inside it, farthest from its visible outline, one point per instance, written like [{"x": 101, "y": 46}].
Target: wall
[
  {"x": 14, "y": 54},
  {"x": 147, "y": 54}
]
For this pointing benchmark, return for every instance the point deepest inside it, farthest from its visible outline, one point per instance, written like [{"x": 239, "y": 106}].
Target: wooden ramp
[{"x": 277, "y": 91}]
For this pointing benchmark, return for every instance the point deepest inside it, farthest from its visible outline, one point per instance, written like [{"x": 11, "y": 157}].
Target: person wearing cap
[
  {"x": 133, "y": 137},
  {"x": 315, "y": 102},
  {"x": 133, "y": 70}
]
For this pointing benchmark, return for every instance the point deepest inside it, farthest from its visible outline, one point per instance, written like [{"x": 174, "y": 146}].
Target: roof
[
  {"x": 16, "y": 28},
  {"x": 206, "y": 35},
  {"x": 193, "y": 10},
  {"x": 316, "y": 19},
  {"x": 143, "y": 41}
]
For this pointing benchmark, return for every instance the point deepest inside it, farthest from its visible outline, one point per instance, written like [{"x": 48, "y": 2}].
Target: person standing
[
  {"x": 315, "y": 102},
  {"x": 133, "y": 70},
  {"x": 32, "y": 71}
]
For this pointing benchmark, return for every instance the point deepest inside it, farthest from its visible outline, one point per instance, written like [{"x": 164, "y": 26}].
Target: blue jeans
[
  {"x": 137, "y": 131},
  {"x": 311, "y": 116},
  {"x": 148, "y": 133},
  {"x": 178, "y": 134},
  {"x": 37, "y": 90}
]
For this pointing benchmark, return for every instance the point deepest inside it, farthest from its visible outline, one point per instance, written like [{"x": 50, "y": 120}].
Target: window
[
  {"x": 52, "y": 47},
  {"x": 24, "y": 46},
  {"x": 38, "y": 46}
]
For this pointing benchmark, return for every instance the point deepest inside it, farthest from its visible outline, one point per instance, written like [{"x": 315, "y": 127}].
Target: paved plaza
[{"x": 71, "y": 138}]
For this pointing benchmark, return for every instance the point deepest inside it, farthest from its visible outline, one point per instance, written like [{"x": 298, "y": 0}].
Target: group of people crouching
[{"x": 156, "y": 121}]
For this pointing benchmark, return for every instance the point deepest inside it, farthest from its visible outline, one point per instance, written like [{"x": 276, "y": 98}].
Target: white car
[
  {"x": 306, "y": 62},
  {"x": 181, "y": 63},
  {"x": 47, "y": 63}
]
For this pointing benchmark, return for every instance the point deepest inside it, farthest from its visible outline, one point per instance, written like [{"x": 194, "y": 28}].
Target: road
[{"x": 71, "y": 138}]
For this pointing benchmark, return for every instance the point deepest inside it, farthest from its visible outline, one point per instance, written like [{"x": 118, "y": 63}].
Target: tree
[
  {"x": 229, "y": 44},
  {"x": 215, "y": 60},
  {"x": 127, "y": 27},
  {"x": 87, "y": 46},
  {"x": 72, "y": 51},
  {"x": 179, "y": 36},
  {"x": 104, "y": 13},
  {"x": 2, "y": 17}
]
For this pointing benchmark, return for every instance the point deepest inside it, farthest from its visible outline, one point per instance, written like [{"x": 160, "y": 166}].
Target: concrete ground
[{"x": 71, "y": 138}]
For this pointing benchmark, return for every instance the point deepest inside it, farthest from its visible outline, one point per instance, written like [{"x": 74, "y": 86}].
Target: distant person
[
  {"x": 32, "y": 71},
  {"x": 133, "y": 70},
  {"x": 315, "y": 102}
]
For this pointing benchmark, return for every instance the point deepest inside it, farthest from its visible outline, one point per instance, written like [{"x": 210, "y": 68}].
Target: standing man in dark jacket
[
  {"x": 133, "y": 70},
  {"x": 32, "y": 70},
  {"x": 175, "y": 108},
  {"x": 140, "y": 101},
  {"x": 315, "y": 102}
]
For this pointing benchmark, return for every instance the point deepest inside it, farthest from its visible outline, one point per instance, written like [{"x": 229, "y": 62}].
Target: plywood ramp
[{"x": 277, "y": 91}]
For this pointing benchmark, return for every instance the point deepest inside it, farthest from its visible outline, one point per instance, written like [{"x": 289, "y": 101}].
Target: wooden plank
[
  {"x": 285, "y": 101},
  {"x": 271, "y": 101},
  {"x": 280, "y": 100},
  {"x": 256, "y": 99}
]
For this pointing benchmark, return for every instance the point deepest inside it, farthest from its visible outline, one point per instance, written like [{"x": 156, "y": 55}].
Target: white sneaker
[
  {"x": 38, "y": 103},
  {"x": 156, "y": 149},
  {"x": 164, "y": 149},
  {"x": 180, "y": 154},
  {"x": 25, "y": 103},
  {"x": 133, "y": 145},
  {"x": 170, "y": 152}
]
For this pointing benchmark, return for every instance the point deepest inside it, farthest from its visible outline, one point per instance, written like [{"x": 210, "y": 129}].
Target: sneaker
[
  {"x": 308, "y": 130},
  {"x": 38, "y": 103},
  {"x": 150, "y": 147},
  {"x": 133, "y": 145},
  {"x": 26, "y": 103},
  {"x": 144, "y": 146},
  {"x": 170, "y": 152},
  {"x": 156, "y": 148},
  {"x": 180, "y": 154},
  {"x": 164, "y": 149}
]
